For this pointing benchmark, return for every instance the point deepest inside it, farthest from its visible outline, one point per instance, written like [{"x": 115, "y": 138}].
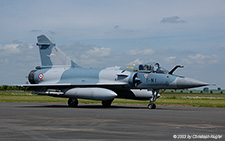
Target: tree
[{"x": 206, "y": 89}]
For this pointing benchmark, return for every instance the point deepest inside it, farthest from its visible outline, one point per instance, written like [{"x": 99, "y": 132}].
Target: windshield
[{"x": 152, "y": 67}]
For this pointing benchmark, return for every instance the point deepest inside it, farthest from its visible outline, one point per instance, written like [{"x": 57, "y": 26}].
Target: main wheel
[
  {"x": 72, "y": 102},
  {"x": 151, "y": 106},
  {"x": 107, "y": 103}
]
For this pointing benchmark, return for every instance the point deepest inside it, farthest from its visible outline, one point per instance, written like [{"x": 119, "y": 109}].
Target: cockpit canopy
[{"x": 152, "y": 67}]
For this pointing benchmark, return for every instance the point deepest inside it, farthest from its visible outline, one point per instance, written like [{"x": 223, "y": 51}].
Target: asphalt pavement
[{"x": 52, "y": 122}]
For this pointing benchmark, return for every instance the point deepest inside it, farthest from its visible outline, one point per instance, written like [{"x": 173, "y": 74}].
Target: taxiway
[{"x": 47, "y": 121}]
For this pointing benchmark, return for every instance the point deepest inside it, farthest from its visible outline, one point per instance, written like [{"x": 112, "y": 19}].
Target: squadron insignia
[{"x": 40, "y": 76}]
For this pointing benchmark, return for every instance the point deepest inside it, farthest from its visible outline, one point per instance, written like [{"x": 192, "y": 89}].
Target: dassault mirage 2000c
[{"x": 59, "y": 76}]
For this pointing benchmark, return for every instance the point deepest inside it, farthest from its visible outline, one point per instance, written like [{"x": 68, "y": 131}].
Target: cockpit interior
[{"x": 152, "y": 68}]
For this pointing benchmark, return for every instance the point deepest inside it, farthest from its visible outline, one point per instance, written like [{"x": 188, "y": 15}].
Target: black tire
[
  {"x": 152, "y": 106},
  {"x": 107, "y": 103},
  {"x": 72, "y": 102}
]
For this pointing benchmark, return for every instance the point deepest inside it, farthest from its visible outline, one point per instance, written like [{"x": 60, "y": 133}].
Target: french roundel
[{"x": 40, "y": 76}]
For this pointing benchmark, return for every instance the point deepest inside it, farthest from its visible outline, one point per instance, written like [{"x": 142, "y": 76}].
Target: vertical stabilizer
[{"x": 51, "y": 56}]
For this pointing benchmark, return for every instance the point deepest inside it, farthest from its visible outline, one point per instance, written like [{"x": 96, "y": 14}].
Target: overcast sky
[{"x": 103, "y": 33}]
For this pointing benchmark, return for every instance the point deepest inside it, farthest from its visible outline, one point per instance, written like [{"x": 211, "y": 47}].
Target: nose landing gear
[{"x": 155, "y": 95}]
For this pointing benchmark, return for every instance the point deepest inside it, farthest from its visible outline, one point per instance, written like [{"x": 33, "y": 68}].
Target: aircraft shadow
[
  {"x": 89, "y": 106},
  {"x": 86, "y": 106}
]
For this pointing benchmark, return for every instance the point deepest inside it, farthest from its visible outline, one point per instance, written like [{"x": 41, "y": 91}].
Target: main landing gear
[
  {"x": 107, "y": 103},
  {"x": 72, "y": 102},
  {"x": 155, "y": 95}
]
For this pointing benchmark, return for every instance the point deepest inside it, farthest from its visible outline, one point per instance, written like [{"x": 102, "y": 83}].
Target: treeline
[{"x": 12, "y": 88}]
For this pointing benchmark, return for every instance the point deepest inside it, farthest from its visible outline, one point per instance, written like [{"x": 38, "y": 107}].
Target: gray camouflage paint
[{"x": 60, "y": 73}]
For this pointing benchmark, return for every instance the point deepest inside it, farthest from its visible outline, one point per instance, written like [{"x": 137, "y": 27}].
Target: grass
[
  {"x": 198, "y": 100},
  {"x": 178, "y": 99}
]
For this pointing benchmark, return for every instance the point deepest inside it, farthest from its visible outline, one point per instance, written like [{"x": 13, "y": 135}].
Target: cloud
[
  {"x": 116, "y": 27},
  {"x": 42, "y": 31},
  {"x": 136, "y": 61},
  {"x": 140, "y": 52},
  {"x": 16, "y": 60},
  {"x": 19, "y": 50},
  {"x": 9, "y": 49},
  {"x": 86, "y": 54},
  {"x": 172, "y": 20},
  {"x": 202, "y": 59},
  {"x": 170, "y": 59},
  {"x": 99, "y": 52},
  {"x": 4, "y": 61},
  {"x": 35, "y": 31},
  {"x": 51, "y": 32},
  {"x": 222, "y": 49}
]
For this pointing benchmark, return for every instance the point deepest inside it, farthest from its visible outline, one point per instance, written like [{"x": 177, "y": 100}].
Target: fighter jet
[{"x": 59, "y": 76}]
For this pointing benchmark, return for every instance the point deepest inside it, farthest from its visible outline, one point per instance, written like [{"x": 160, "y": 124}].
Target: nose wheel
[{"x": 151, "y": 104}]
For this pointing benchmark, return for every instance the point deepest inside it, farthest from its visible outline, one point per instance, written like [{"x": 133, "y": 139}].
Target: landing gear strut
[
  {"x": 151, "y": 104},
  {"x": 72, "y": 102}
]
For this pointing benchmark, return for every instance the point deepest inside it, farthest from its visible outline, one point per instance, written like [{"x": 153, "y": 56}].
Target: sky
[{"x": 104, "y": 33}]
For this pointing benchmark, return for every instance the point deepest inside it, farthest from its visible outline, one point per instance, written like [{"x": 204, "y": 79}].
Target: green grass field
[{"x": 177, "y": 99}]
